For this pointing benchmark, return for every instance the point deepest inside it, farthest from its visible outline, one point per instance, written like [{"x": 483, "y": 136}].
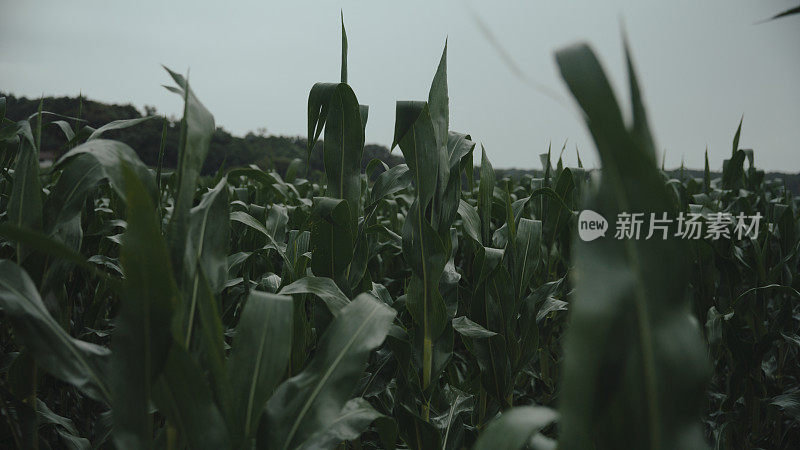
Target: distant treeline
[{"x": 226, "y": 149}]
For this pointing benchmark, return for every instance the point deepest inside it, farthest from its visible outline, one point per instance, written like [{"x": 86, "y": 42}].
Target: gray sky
[{"x": 702, "y": 64}]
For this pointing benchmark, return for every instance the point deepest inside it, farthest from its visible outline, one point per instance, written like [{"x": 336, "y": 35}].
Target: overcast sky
[{"x": 702, "y": 64}]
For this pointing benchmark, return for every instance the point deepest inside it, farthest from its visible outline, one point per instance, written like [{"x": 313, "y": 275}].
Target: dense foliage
[{"x": 406, "y": 306}]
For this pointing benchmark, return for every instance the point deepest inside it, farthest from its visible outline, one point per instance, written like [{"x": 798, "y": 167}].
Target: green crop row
[{"x": 418, "y": 306}]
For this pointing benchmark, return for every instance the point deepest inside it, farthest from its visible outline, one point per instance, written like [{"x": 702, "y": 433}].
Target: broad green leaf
[
  {"x": 112, "y": 156},
  {"x": 207, "y": 250},
  {"x": 355, "y": 417},
  {"x": 68, "y": 196},
  {"x": 73, "y": 361},
  {"x": 513, "y": 429},
  {"x": 458, "y": 150},
  {"x": 632, "y": 349},
  {"x": 331, "y": 239},
  {"x": 470, "y": 220},
  {"x": 276, "y": 221},
  {"x": 65, "y": 128},
  {"x": 416, "y": 136},
  {"x": 312, "y": 401},
  {"x": 425, "y": 252},
  {"x": 183, "y": 396},
  {"x": 342, "y": 149},
  {"x": 470, "y": 329},
  {"x": 258, "y": 359},
  {"x": 389, "y": 182},
  {"x": 212, "y": 339},
  {"x": 143, "y": 334},
  {"x": 527, "y": 247},
  {"x": 318, "y": 106}
]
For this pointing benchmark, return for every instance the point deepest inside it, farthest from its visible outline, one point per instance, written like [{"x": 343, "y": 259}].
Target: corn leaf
[
  {"x": 632, "y": 349},
  {"x": 258, "y": 359},
  {"x": 312, "y": 401}
]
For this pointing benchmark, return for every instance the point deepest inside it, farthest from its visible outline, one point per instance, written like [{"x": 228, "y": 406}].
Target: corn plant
[{"x": 429, "y": 305}]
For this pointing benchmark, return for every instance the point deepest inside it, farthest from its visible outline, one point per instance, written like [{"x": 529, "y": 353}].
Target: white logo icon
[{"x": 591, "y": 225}]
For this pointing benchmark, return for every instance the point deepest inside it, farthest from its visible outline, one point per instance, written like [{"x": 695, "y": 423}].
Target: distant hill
[
  {"x": 145, "y": 138},
  {"x": 226, "y": 149}
]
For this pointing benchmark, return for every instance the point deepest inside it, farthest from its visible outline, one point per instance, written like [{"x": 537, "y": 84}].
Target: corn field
[{"x": 430, "y": 305}]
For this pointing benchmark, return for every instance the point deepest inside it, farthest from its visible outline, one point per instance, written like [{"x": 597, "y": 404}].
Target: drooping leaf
[
  {"x": 112, "y": 156},
  {"x": 389, "y": 182},
  {"x": 117, "y": 125},
  {"x": 79, "y": 363},
  {"x": 354, "y": 418},
  {"x": 69, "y": 194},
  {"x": 470, "y": 220},
  {"x": 514, "y": 427},
  {"x": 64, "y": 427},
  {"x": 470, "y": 329},
  {"x": 322, "y": 287},
  {"x": 313, "y": 400}
]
